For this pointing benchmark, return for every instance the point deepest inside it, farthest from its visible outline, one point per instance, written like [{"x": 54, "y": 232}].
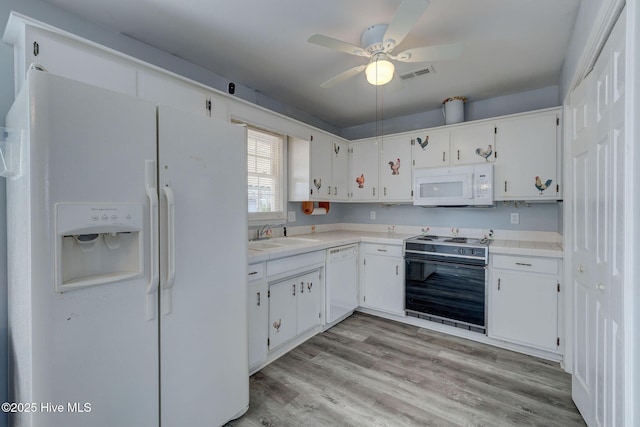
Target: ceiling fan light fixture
[{"x": 379, "y": 72}]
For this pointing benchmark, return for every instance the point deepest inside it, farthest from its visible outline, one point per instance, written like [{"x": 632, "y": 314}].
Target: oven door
[{"x": 447, "y": 292}]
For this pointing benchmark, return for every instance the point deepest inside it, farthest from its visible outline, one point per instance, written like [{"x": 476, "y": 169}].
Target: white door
[
  {"x": 340, "y": 171},
  {"x": 431, "y": 149},
  {"x": 598, "y": 153},
  {"x": 466, "y": 139},
  {"x": 395, "y": 170},
  {"x": 364, "y": 170},
  {"x": 383, "y": 281},
  {"x": 203, "y": 226},
  {"x": 258, "y": 306},
  {"x": 308, "y": 304},
  {"x": 282, "y": 311},
  {"x": 91, "y": 344},
  {"x": 320, "y": 168}
]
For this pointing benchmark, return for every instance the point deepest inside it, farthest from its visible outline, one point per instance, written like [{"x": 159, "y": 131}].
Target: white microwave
[{"x": 469, "y": 185}]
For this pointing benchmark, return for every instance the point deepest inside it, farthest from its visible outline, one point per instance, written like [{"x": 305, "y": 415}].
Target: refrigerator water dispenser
[{"x": 97, "y": 244}]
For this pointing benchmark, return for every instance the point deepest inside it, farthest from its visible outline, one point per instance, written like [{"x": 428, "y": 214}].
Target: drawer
[
  {"x": 256, "y": 271},
  {"x": 292, "y": 263},
  {"x": 384, "y": 250},
  {"x": 524, "y": 263}
]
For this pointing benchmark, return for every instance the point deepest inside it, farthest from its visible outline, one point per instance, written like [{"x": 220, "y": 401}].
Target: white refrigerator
[{"x": 127, "y": 234}]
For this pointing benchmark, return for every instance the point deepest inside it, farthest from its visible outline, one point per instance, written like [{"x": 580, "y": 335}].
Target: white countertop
[{"x": 329, "y": 239}]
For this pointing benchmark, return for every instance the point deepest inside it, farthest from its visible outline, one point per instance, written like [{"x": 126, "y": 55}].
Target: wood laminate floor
[{"x": 368, "y": 371}]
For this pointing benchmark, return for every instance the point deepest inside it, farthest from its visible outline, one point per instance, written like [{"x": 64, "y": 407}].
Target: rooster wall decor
[
  {"x": 360, "y": 181},
  {"x": 424, "y": 143},
  {"x": 336, "y": 148},
  {"x": 317, "y": 183},
  {"x": 395, "y": 167},
  {"x": 277, "y": 324},
  {"x": 485, "y": 153},
  {"x": 540, "y": 186}
]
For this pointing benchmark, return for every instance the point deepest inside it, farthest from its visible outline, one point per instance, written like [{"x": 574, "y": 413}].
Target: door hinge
[
  {"x": 414, "y": 162},
  {"x": 365, "y": 261},
  {"x": 558, "y": 286},
  {"x": 311, "y": 138},
  {"x": 413, "y": 141},
  {"x": 36, "y": 49},
  {"x": 558, "y": 341},
  {"x": 557, "y": 188},
  {"x": 268, "y": 342},
  {"x": 411, "y": 193},
  {"x": 208, "y": 106},
  {"x": 364, "y": 298},
  {"x": 269, "y": 293},
  {"x": 495, "y": 129},
  {"x": 319, "y": 315},
  {"x": 557, "y": 121},
  {"x": 495, "y": 154}
]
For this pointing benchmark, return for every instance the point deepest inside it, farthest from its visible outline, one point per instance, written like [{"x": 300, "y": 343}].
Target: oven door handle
[{"x": 453, "y": 264}]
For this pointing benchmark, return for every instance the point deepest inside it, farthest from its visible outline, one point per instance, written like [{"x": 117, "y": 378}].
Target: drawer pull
[
  {"x": 381, "y": 250},
  {"x": 253, "y": 273},
  {"x": 498, "y": 284},
  {"x": 523, "y": 263}
]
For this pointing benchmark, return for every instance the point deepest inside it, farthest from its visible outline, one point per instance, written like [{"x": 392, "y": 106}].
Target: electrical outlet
[
  {"x": 515, "y": 218},
  {"x": 291, "y": 216},
  {"x": 372, "y": 215}
]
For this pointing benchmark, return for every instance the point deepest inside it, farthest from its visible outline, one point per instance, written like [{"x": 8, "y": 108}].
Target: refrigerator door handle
[
  {"x": 171, "y": 252},
  {"x": 152, "y": 286}
]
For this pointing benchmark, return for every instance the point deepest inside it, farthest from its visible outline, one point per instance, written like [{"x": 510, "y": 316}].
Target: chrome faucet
[{"x": 262, "y": 230}]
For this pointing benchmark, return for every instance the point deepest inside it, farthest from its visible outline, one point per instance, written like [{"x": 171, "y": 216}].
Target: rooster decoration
[
  {"x": 395, "y": 167},
  {"x": 485, "y": 153},
  {"x": 336, "y": 148},
  {"x": 424, "y": 143},
  {"x": 277, "y": 324},
  {"x": 317, "y": 183},
  {"x": 540, "y": 186},
  {"x": 360, "y": 181}
]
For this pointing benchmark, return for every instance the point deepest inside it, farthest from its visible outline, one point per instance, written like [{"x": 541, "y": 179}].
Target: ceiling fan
[{"x": 378, "y": 41}]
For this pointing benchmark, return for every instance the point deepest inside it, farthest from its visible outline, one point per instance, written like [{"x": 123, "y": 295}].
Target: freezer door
[
  {"x": 91, "y": 349},
  {"x": 203, "y": 227}
]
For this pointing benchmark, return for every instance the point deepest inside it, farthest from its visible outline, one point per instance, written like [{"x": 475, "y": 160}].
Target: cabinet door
[
  {"x": 340, "y": 170},
  {"x": 364, "y": 171},
  {"x": 527, "y": 162},
  {"x": 257, "y": 304},
  {"x": 282, "y": 312},
  {"x": 166, "y": 90},
  {"x": 431, "y": 149},
  {"x": 320, "y": 168},
  {"x": 469, "y": 143},
  {"x": 79, "y": 62},
  {"x": 524, "y": 309},
  {"x": 384, "y": 283},
  {"x": 308, "y": 294},
  {"x": 395, "y": 169}
]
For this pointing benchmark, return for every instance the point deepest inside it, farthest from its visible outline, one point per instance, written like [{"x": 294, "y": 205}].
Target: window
[{"x": 265, "y": 165}]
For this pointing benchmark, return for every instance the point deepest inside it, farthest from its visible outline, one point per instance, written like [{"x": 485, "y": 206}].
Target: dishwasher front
[{"x": 341, "y": 283}]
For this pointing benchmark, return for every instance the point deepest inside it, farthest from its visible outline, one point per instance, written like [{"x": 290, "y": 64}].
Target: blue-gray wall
[{"x": 538, "y": 217}]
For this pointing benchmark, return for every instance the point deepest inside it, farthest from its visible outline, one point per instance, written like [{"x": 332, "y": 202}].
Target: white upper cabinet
[
  {"x": 318, "y": 169},
  {"x": 69, "y": 58},
  {"x": 395, "y": 169},
  {"x": 363, "y": 169},
  {"x": 340, "y": 170},
  {"x": 431, "y": 148},
  {"x": 527, "y": 166},
  {"x": 472, "y": 143},
  {"x": 162, "y": 89}
]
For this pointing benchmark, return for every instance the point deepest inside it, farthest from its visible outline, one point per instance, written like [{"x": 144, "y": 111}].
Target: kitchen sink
[
  {"x": 263, "y": 245},
  {"x": 278, "y": 242},
  {"x": 287, "y": 241}
]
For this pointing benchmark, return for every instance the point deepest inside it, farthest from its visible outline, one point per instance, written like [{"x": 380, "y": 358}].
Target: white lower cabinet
[
  {"x": 523, "y": 301},
  {"x": 258, "y": 309},
  {"x": 294, "y": 307},
  {"x": 382, "y": 278}
]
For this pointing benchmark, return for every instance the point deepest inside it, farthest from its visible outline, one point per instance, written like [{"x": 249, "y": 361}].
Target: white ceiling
[{"x": 509, "y": 46}]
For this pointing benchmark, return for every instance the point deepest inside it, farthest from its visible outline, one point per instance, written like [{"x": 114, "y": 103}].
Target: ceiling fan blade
[
  {"x": 331, "y": 43},
  {"x": 441, "y": 52},
  {"x": 344, "y": 76},
  {"x": 405, "y": 18}
]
